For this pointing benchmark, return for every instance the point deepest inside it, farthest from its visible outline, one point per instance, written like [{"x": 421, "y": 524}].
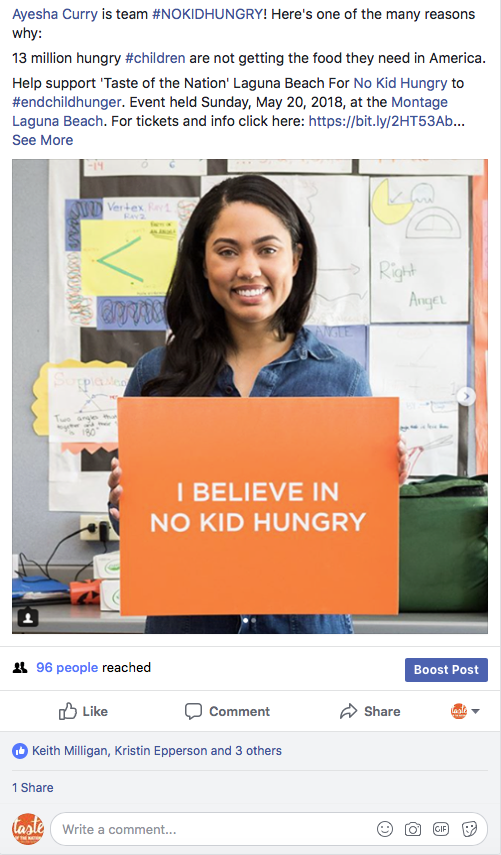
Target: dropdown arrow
[{"x": 476, "y": 711}]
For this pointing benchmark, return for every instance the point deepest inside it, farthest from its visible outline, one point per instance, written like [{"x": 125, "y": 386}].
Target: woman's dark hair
[{"x": 200, "y": 339}]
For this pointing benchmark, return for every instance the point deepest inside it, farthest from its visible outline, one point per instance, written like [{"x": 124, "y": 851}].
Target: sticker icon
[
  {"x": 28, "y": 829},
  {"x": 469, "y": 828},
  {"x": 458, "y": 711}
]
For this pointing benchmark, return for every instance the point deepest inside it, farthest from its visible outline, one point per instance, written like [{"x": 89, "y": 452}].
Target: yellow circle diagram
[{"x": 384, "y": 210}]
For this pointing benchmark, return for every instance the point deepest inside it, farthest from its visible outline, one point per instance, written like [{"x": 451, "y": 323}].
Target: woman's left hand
[{"x": 403, "y": 460}]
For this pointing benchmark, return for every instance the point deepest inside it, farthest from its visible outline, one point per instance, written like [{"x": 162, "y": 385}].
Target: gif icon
[{"x": 441, "y": 828}]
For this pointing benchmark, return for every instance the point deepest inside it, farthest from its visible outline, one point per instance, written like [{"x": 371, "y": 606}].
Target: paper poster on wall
[
  {"x": 350, "y": 340},
  {"x": 91, "y": 447},
  {"x": 125, "y": 258},
  {"x": 80, "y": 307},
  {"x": 431, "y": 431},
  {"x": 326, "y": 200},
  {"x": 345, "y": 302},
  {"x": 419, "y": 250},
  {"x": 70, "y": 489},
  {"x": 76, "y": 210},
  {"x": 130, "y": 313},
  {"x": 41, "y": 388},
  {"x": 178, "y": 208},
  {"x": 207, "y": 182},
  {"x": 421, "y": 167},
  {"x": 342, "y": 286},
  {"x": 69, "y": 309},
  {"x": 280, "y": 165},
  {"x": 333, "y": 200},
  {"x": 83, "y": 403},
  {"x": 419, "y": 363},
  {"x": 170, "y": 166}
]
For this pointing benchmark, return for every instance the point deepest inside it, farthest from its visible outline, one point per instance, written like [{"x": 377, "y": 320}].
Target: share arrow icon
[{"x": 348, "y": 711}]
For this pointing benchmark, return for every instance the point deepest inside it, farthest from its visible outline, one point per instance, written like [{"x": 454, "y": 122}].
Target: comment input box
[{"x": 267, "y": 829}]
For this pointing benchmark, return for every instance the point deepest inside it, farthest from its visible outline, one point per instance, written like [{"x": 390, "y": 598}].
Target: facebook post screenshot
[{"x": 250, "y": 608}]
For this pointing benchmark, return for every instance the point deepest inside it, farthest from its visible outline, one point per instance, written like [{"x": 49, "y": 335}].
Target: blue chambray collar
[{"x": 305, "y": 344}]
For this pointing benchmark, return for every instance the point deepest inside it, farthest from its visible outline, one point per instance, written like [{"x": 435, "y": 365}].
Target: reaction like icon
[
  {"x": 68, "y": 712},
  {"x": 19, "y": 750}
]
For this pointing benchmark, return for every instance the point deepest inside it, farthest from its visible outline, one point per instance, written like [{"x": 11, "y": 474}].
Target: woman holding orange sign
[{"x": 236, "y": 306}]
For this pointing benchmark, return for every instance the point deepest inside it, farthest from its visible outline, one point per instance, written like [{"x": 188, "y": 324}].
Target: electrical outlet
[{"x": 87, "y": 519}]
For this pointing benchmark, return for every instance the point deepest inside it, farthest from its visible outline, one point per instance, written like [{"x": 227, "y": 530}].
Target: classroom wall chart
[{"x": 394, "y": 291}]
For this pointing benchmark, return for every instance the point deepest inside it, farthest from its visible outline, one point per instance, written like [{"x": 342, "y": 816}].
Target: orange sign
[{"x": 258, "y": 506}]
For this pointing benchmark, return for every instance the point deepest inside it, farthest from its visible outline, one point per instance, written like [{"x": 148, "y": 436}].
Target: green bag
[{"x": 443, "y": 545}]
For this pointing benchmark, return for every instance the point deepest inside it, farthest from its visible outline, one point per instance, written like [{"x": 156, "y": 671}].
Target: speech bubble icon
[{"x": 193, "y": 710}]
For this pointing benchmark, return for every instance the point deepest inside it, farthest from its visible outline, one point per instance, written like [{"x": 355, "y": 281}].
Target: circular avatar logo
[
  {"x": 28, "y": 829},
  {"x": 459, "y": 711}
]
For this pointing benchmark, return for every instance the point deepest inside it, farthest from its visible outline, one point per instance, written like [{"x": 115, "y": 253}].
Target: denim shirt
[{"x": 310, "y": 369}]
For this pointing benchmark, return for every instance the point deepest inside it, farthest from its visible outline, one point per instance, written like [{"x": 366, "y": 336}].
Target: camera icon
[{"x": 413, "y": 829}]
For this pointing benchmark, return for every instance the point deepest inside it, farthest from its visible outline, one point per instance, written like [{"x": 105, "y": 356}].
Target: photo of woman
[{"x": 236, "y": 308}]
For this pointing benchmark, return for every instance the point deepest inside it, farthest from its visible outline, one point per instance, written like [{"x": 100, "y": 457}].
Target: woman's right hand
[{"x": 115, "y": 489}]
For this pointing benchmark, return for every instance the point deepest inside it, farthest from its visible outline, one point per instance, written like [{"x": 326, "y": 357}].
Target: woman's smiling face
[{"x": 250, "y": 262}]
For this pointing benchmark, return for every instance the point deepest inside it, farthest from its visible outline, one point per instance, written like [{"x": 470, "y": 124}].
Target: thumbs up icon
[{"x": 68, "y": 712}]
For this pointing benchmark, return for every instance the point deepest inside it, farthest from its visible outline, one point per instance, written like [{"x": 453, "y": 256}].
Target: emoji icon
[{"x": 385, "y": 828}]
